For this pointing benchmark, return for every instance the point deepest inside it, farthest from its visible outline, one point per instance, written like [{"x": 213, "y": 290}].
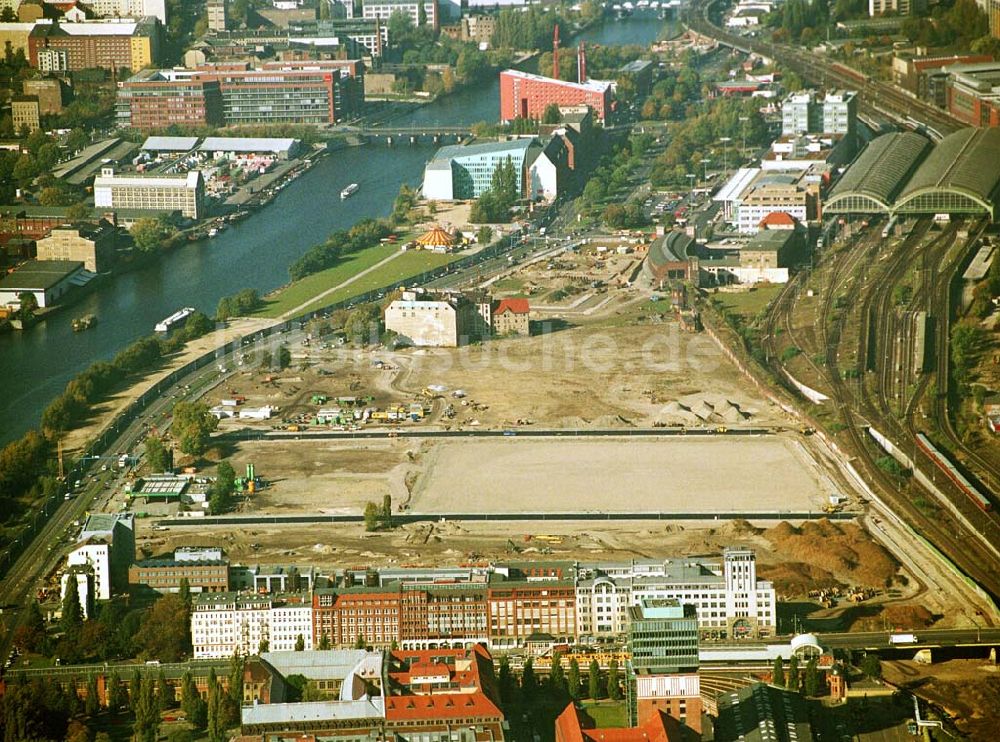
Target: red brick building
[
  {"x": 518, "y": 609},
  {"x": 974, "y": 93},
  {"x": 523, "y": 95}
]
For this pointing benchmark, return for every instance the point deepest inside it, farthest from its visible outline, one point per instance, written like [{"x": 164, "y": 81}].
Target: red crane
[{"x": 555, "y": 52}]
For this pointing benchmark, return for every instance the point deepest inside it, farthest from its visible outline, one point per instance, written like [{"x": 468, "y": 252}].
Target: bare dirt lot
[{"x": 668, "y": 475}]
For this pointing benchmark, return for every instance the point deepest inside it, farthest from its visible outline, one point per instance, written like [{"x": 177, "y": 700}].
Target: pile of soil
[
  {"x": 966, "y": 689},
  {"x": 839, "y": 551}
]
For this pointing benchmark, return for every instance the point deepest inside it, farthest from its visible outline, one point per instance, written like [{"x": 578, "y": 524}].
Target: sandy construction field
[{"x": 671, "y": 475}]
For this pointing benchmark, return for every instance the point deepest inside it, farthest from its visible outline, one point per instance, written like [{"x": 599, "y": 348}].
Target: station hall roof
[
  {"x": 966, "y": 162},
  {"x": 881, "y": 170}
]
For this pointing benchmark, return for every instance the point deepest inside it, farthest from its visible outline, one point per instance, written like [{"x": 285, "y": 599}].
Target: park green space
[{"x": 404, "y": 265}]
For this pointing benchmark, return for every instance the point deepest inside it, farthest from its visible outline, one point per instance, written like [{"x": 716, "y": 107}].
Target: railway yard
[{"x": 870, "y": 328}]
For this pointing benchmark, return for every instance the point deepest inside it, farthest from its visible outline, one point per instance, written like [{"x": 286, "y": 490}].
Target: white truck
[{"x": 903, "y": 639}]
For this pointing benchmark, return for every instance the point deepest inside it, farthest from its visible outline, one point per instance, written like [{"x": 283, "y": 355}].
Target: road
[
  {"x": 404, "y": 518},
  {"x": 251, "y": 434}
]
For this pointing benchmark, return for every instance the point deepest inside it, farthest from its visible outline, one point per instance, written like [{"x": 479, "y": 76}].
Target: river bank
[{"x": 254, "y": 253}]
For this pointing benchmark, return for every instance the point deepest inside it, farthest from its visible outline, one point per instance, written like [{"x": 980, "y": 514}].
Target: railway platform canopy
[
  {"x": 903, "y": 173},
  {"x": 961, "y": 175},
  {"x": 879, "y": 173}
]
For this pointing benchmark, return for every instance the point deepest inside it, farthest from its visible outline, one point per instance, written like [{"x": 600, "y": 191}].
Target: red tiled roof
[
  {"x": 517, "y": 306},
  {"x": 440, "y": 706},
  {"x": 778, "y": 219},
  {"x": 660, "y": 728}
]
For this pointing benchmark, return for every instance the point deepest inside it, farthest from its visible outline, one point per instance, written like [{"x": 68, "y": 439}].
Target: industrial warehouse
[{"x": 904, "y": 174}]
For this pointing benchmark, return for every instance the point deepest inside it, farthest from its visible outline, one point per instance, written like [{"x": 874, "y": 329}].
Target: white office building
[
  {"x": 383, "y": 10},
  {"x": 130, "y": 9},
  {"x": 107, "y": 547},
  {"x": 729, "y": 599}
]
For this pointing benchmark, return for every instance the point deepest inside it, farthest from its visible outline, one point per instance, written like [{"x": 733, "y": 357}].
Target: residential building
[
  {"x": 520, "y": 607},
  {"x": 894, "y": 7},
  {"x": 49, "y": 91},
  {"x": 524, "y": 95},
  {"x": 107, "y": 546},
  {"x": 225, "y": 623},
  {"x": 93, "y": 245},
  {"x": 476, "y": 28},
  {"x": 341, "y": 615},
  {"x": 117, "y": 44},
  {"x": 48, "y": 280},
  {"x": 166, "y": 575},
  {"x": 80, "y": 577},
  {"x": 217, "y": 20},
  {"x": 130, "y": 9},
  {"x": 25, "y": 113},
  {"x": 421, "y": 12},
  {"x": 52, "y": 61},
  {"x": 835, "y": 113},
  {"x": 973, "y": 93},
  {"x": 510, "y": 317},
  {"x": 438, "y": 320},
  {"x": 183, "y": 193},
  {"x": 662, "y": 670}
]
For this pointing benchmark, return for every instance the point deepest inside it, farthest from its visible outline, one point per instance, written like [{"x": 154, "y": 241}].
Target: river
[{"x": 36, "y": 365}]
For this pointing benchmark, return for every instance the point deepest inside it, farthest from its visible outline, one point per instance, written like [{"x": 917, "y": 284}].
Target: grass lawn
[
  {"x": 748, "y": 303},
  {"x": 606, "y": 713},
  {"x": 300, "y": 291},
  {"x": 408, "y": 264}
]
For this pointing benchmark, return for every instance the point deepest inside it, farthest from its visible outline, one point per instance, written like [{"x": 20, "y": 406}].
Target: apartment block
[
  {"x": 154, "y": 99},
  {"x": 183, "y": 193},
  {"x": 835, "y": 113},
  {"x": 25, "y": 113},
  {"x": 116, "y": 44},
  {"x": 166, "y": 575},
  {"x": 421, "y": 12},
  {"x": 224, "y": 623},
  {"x": 107, "y": 546}
]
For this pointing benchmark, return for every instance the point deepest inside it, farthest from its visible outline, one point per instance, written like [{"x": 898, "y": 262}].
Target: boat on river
[{"x": 349, "y": 191}]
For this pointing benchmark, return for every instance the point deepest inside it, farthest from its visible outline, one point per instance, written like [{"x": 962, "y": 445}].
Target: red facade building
[{"x": 523, "y": 95}]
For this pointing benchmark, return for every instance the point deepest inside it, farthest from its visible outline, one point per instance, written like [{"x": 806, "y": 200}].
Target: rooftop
[
  {"x": 592, "y": 86},
  {"x": 170, "y": 144},
  {"x": 315, "y": 711},
  {"x": 39, "y": 274},
  {"x": 454, "y": 151},
  {"x": 247, "y": 144}
]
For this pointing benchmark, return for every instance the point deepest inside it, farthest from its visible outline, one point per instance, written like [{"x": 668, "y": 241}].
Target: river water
[{"x": 36, "y": 365}]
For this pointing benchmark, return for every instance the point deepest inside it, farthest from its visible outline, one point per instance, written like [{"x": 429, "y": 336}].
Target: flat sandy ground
[{"x": 669, "y": 475}]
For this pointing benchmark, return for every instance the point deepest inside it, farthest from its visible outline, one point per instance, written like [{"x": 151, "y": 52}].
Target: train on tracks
[{"x": 951, "y": 471}]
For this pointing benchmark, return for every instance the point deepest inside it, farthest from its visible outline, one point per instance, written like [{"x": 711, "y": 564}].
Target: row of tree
[
  {"x": 240, "y": 304},
  {"x": 103, "y": 377},
  {"x": 808, "y": 681},
  {"x": 364, "y": 234}
]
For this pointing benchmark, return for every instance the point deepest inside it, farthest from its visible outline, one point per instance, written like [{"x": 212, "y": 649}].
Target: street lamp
[{"x": 725, "y": 154}]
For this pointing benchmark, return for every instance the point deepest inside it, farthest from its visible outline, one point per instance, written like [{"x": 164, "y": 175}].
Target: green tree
[
  {"x": 793, "y": 674},
  {"x": 166, "y": 631},
  {"x": 115, "y": 693},
  {"x": 192, "y": 426},
  {"x": 216, "y": 728},
  {"x": 529, "y": 683},
  {"x": 814, "y": 678},
  {"x": 166, "y": 699},
  {"x": 92, "y": 703},
  {"x": 484, "y": 235},
  {"x": 557, "y": 676},
  {"x": 387, "y": 511},
  {"x": 28, "y": 305},
  {"x": 184, "y": 593},
  {"x": 192, "y": 703},
  {"x": 263, "y": 646},
  {"x": 300, "y": 643},
  {"x": 147, "y": 235},
  {"x": 552, "y": 114},
  {"x": 156, "y": 454},
  {"x": 324, "y": 642},
  {"x": 284, "y": 357},
  {"x": 594, "y": 680},
  {"x": 72, "y": 611},
  {"x": 373, "y": 516},
  {"x": 614, "y": 690},
  {"x": 573, "y": 679},
  {"x": 871, "y": 666},
  {"x": 220, "y": 498},
  {"x": 360, "y": 643},
  {"x": 778, "y": 672},
  {"x": 146, "y": 710}
]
